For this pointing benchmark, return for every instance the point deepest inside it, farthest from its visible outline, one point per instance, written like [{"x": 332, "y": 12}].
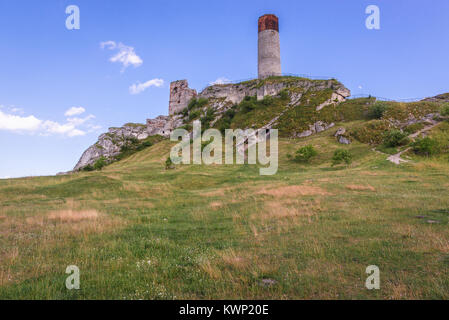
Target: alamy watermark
[
  {"x": 73, "y": 20},
  {"x": 372, "y": 22},
  {"x": 250, "y": 145},
  {"x": 373, "y": 280},
  {"x": 73, "y": 280}
]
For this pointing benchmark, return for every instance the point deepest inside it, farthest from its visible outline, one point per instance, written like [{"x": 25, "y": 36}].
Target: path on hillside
[{"x": 396, "y": 158}]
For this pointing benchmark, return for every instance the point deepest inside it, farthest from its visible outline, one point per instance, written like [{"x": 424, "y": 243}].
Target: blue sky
[{"x": 59, "y": 88}]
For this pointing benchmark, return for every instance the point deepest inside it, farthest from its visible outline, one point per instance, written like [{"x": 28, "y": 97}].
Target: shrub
[
  {"x": 395, "y": 138},
  {"x": 248, "y": 104},
  {"x": 207, "y": 118},
  {"x": 340, "y": 156},
  {"x": 445, "y": 110},
  {"x": 88, "y": 168},
  {"x": 304, "y": 154},
  {"x": 194, "y": 108},
  {"x": 192, "y": 104},
  {"x": 284, "y": 94},
  {"x": 100, "y": 163},
  {"x": 169, "y": 164},
  {"x": 267, "y": 100},
  {"x": 377, "y": 110},
  {"x": 194, "y": 114},
  {"x": 426, "y": 147}
]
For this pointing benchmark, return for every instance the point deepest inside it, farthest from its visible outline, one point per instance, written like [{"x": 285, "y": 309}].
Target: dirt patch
[
  {"x": 293, "y": 191},
  {"x": 355, "y": 187}
]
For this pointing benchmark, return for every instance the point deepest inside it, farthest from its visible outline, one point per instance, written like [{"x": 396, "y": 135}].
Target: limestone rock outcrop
[
  {"x": 235, "y": 93},
  {"x": 110, "y": 144}
]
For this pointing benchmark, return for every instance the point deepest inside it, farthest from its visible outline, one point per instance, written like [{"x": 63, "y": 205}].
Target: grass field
[{"x": 138, "y": 231}]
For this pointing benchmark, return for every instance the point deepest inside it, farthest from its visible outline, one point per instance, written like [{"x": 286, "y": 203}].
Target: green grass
[{"x": 217, "y": 231}]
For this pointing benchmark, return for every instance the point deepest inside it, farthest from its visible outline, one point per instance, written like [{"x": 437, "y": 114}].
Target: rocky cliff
[{"x": 271, "y": 100}]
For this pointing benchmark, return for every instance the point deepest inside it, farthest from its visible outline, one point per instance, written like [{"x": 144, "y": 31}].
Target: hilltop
[{"x": 297, "y": 107}]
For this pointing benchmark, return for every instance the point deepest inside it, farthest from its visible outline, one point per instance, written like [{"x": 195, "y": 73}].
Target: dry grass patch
[
  {"x": 210, "y": 269},
  {"x": 215, "y": 205},
  {"x": 70, "y": 215},
  {"x": 356, "y": 187},
  {"x": 234, "y": 260},
  {"x": 293, "y": 191}
]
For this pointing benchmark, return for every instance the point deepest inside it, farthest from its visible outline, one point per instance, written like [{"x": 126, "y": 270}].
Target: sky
[{"x": 60, "y": 88}]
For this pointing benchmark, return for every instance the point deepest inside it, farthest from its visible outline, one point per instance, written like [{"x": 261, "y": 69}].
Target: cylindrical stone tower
[{"x": 269, "y": 63}]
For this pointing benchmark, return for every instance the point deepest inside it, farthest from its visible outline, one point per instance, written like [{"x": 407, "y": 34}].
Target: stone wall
[{"x": 180, "y": 96}]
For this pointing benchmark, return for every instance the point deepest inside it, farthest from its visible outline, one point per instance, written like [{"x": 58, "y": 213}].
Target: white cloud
[
  {"x": 13, "y": 122},
  {"x": 221, "y": 80},
  {"x": 140, "y": 87},
  {"x": 31, "y": 124},
  {"x": 360, "y": 87},
  {"x": 73, "y": 111},
  {"x": 79, "y": 121},
  {"x": 109, "y": 44},
  {"x": 125, "y": 55}
]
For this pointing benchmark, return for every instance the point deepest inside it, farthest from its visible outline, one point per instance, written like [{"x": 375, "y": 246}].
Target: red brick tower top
[{"x": 268, "y": 22}]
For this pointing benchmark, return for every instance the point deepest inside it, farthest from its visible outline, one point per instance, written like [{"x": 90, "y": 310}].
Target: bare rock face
[
  {"x": 317, "y": 127},
  {"x": 109, "y": 144},
  {"x": 341, "y": 137},
  {"x": 235, "y": 93},
  {"x": 343, "y": 140}
]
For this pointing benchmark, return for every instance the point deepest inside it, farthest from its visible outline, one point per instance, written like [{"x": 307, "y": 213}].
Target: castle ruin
[
  {"x": 180, "y": 96},
  {"x": 269, "y": 64}
]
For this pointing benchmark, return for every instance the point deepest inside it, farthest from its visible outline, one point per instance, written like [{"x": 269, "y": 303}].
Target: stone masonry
[{"x": 180, "y": 96}]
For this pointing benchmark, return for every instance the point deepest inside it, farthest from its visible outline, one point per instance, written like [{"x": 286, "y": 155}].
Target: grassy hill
[{"x": 139, "y": 231}]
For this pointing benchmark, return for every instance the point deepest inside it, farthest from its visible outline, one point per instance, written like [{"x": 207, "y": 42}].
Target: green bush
[
  {"x": 194, "y": 114},
  {"x": 426, "y": 147},
  {"x": 100, "y": 163},
  {"x": 267, "y": 100},
  {"x": 377, "y": 110},
  {"x": 169, "y": 164},
  {"x": 304, "y": 154},
  {"x": 340, "y": 156},
  {"x": 248, "y": 104},
  {"x": 88, "y": 168},
  {"x": 445, "y": 110},
  {"x": 284, "y": 94},
  {"x": 395, "y": 138},
  {"x": 226, "y": 120},
  {"x": 207, "y": 118}
]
